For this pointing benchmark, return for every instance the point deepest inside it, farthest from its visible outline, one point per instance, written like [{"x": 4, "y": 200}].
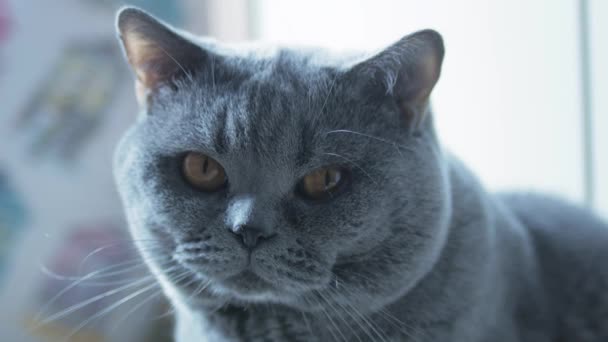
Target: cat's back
[{"x": 571, "y": 246}]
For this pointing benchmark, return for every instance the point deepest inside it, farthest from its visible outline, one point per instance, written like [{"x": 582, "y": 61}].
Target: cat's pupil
[
  {"x": 205, "y": 165},
  {"x": 327, "y": 179}
]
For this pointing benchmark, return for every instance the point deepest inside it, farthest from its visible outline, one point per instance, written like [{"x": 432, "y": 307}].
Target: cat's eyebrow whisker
[
  {"x": 398, "y": 147},
  {"x": 353, "y": 163},
  {"x": 325, "y": 101}
]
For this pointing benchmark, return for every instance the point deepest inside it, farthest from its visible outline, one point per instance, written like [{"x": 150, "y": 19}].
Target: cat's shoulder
[
  {"x": 555, "y": 218},
  {"x": 571, "y": 246}
]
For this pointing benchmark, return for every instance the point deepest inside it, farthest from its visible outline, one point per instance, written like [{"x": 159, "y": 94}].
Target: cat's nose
[{"x": 251, "y": 235}]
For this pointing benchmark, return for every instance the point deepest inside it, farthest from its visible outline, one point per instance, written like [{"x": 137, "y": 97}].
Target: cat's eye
[
  {"x": 322, "y": 183},
  {"x": 203, "y": 172}
]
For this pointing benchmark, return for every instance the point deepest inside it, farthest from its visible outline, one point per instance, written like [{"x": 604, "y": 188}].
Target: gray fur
[{"x": 414, "y": 249}]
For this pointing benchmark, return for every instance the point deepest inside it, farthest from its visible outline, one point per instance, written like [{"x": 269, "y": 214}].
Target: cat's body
[
  {"x": 538, "y": 275},
  {"x": 407, "y": 246}
]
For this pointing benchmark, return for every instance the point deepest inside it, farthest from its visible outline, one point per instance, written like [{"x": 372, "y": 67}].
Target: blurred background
[{"x": 520, "y": 100}]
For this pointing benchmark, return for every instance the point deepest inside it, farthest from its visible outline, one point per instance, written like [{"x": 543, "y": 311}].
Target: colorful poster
[
  {"x": 5, "y": 21},
  {"x": 68, "y": 108},
  {"x": 12, "y": 220},
  {"x": 5, "y": 27}
]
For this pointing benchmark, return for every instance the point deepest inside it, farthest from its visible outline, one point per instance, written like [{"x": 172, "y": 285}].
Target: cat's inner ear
[
  {"x": 157, "y": 54},
  {"x": 408, "y": 71}
]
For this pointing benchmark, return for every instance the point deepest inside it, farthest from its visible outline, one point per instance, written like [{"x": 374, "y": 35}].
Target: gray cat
[{"x": 290, "y": 195}]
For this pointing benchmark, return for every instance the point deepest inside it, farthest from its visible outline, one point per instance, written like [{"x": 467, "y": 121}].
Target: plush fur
[{"x": 414, "y": 249}]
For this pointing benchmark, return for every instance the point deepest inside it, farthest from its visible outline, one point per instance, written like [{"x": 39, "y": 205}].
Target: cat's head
[{"x": 282, "y": 176}]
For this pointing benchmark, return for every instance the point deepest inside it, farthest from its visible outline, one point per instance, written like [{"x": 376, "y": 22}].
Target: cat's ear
[
  {"x": 157, "y": 54},
  {"x": 407, "y": 71}
]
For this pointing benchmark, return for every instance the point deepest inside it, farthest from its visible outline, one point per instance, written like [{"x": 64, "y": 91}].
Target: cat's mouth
[{"x": 247, "y": 286}]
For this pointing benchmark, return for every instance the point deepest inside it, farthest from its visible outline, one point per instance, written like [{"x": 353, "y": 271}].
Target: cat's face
[{"x": 282, "y": 178}]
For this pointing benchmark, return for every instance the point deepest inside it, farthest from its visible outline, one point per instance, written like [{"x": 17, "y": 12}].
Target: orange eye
[
  {"x": 322, "y": 183},
  {"x": 203, "y": 172}
]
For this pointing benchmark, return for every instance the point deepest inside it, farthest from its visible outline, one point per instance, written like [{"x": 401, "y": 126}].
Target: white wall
[{"x": 598, "y": 13}]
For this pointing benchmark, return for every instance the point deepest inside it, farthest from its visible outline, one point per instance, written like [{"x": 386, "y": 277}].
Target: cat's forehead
[
  {"x": 278, "y": 109},
  {"x": 282, "y": 98}
]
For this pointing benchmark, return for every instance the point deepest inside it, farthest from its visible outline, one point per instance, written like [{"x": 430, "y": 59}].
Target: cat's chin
[
  {"x": 248, "y": 287},
  {"x": 247, "y": 283}
]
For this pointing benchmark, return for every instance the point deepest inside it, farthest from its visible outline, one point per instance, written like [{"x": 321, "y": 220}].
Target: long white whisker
[
  {"x": 117, "y": 304},
  {"x": 330, "y": 318},
  {"x": 202, "y": 286},
  {"x": 367, "y": 322},
  {"x": 154, "y": 294},
  {"x": 351, "y": 316},
  {"x": 96, "y": 298},
  {"x": 356, "y": 320},
  {"x": 73, "y": 285},
  {"x": 401, "y": 326},
  {"x": 110, "y": 245}
]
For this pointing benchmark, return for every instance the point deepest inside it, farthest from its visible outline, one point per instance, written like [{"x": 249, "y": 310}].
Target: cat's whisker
[
  {"x": 401, "y": 326},
  {"x": 398, "y": 147},
  {"x": 152, "y": 296},
  {"x": 149, "y": 298},
  {"x": 117, "y": 304},
  {"x": 357, "y": 320},
  {"x": 321, "y": 306},
  {"x": 69, "y": 310},
  {"x": 52, "y": 274},
  {"x": 353, "y": 163},
  {"x": 307, "y": 323},
  {"x": 322, "y": 298},
  {"x": 77, "y": 282},
  {"x": 100, "y": 249},
  {"x": 361, "y": 317},
  {"x": 129, "y": 265},
  {"x": 196, "y": 291},
  {"x": 110, "y": 308},
  {"x": 200, "y": 289}
]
